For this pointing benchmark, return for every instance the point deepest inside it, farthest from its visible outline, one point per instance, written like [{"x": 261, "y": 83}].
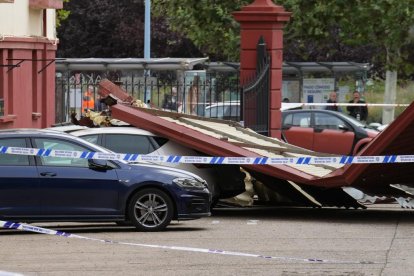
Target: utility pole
[{"x": 147, "y": 46}]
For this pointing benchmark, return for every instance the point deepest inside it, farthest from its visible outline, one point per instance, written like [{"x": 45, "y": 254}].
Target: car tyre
[{"x": 150, "y": 210}]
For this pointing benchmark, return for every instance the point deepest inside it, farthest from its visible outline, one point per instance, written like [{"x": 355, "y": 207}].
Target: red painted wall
[{"x": 29, "y": 96}]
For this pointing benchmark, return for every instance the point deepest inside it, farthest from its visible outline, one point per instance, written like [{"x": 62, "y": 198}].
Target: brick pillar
[{"x": 264, "y": 18}]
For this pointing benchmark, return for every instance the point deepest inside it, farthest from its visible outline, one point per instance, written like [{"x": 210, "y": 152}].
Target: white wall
[{"x": 18, "y": 20}]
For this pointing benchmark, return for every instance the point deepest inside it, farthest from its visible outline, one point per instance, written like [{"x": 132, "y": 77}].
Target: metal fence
[
  {"x": 256, "y": 93},
  {"x": 199, "y": 93}
]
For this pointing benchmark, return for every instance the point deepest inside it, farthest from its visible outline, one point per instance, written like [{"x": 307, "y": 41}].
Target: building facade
[{"x": 28, "y": 45}]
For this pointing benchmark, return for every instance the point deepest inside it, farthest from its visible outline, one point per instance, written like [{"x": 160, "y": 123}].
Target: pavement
[{"x": 234, "y": 241}]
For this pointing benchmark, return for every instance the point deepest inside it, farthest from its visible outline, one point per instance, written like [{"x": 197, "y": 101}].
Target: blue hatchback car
[{"x": 41, "y": 188}]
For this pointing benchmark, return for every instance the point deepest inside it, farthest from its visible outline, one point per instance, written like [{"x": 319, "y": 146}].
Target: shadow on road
[{"x": 370, "y": 215}]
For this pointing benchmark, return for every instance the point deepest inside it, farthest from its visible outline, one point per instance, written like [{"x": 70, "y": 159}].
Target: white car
[
  {"x": 230, "y": 110},
  {"x": 224, "y": 181}
]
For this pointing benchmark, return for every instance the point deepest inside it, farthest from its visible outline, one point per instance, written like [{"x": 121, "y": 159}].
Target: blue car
[{"x": 44, "y": 188}]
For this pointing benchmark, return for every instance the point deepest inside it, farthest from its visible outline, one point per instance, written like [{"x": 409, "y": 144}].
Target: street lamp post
[{"x": 147, "y": 46}]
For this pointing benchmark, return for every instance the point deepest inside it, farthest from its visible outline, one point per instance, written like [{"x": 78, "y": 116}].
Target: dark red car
[{"x": 325, "y": 131}]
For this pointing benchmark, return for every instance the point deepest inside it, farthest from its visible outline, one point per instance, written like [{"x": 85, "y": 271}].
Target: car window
[
  {"x": 287, "y": 120},
  {"x": 161, "y": 141},
  {"x": 12, "y": 159},
  {"x": 57, "y": 144},
  {"x": 301, "y": 119},
  {"x": 92, "y": 138},
  {"x": 215, "y": 112},
  {"x": 232, "y": 110},
  {"x": 328, "y": 121},
  {"x": 126, "y": 143}
]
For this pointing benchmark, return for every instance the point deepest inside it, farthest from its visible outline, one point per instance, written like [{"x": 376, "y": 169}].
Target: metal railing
[
  {"x": 256, "y": 93},
  {"x": 218, "y": 95}
]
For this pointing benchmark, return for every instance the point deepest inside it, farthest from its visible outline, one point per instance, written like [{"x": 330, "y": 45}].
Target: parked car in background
[
  {"x": 224, "y": 181},
  {"x": 45, "y": 188},
  {"x": 230, "y": 110},
  {"x": 325, "y": 131}
]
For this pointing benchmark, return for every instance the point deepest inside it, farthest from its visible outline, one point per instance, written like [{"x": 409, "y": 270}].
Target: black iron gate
[{"x": 255, "y": 98}]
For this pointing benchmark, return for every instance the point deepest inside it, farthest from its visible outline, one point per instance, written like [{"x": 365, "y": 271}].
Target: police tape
[
  {"x": 41, "y": 230},
  {"x": 130, "y": 157},
  {"x": 293, "y": 105}
]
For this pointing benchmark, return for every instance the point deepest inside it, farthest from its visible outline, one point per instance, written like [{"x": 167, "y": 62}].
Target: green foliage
[
  {"x": 111, "y": 29},
  {"x": 208, "y": 24},
  {"x": 62, "y": 15},
  {"x": 375, "y": 94},
  {"x": 378, "y": 30}
]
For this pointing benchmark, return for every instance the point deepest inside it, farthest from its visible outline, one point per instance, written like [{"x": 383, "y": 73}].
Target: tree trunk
[{"x": 389, "y": 96}]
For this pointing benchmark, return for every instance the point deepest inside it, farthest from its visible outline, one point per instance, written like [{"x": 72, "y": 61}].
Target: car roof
[
  {"x": 68, "y": 128},
  {"x": 112, "y": 130},
  {"x": 335, "y": 113},
  {"x": 226, "y": 103},
  {"x": 29, "y": 131},
  {"x": 284, "y": 106}
]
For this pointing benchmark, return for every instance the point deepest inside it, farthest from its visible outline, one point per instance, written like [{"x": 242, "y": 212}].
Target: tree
[
  {"x": 62, "y": 15},
  {"x": 376, "y": 31},
  {"x": 105, "y": 28},
  {"x": 208, "y": 24},
  {"x": 384, "y": 24}
]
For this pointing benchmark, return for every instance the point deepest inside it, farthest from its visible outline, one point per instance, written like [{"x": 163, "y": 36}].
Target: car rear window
[
  {"x": 12, "y": 159},
  {"x": 126, "y": 143}
]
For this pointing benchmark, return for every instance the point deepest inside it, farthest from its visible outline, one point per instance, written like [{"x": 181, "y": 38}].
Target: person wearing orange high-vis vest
[{"x": 88, "y": 102}]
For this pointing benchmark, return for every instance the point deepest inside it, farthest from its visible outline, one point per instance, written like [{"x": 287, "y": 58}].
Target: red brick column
[{"x": 264, "y": 18}]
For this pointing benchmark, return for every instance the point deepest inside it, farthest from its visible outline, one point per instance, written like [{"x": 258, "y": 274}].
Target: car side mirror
[
  {"x": 98, "y": 164},
  {"x": 342, "y": 127}
]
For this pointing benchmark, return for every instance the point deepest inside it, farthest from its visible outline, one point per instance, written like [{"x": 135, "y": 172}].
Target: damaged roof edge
[
  {"x": 394, "y": 140},
  {"x": 201, "y": 142}
]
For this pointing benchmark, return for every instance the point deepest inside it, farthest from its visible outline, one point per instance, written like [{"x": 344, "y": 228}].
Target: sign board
[{"x": 317, "y": 90}]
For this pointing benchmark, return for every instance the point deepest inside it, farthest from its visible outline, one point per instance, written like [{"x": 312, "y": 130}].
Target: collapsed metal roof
[{"x": 321, "y": 182}]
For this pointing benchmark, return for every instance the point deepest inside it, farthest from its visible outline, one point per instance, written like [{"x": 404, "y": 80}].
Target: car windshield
[{"x": 355, "y": 121}]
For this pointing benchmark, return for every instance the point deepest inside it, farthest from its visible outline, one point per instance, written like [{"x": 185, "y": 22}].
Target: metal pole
[{"x": 147, "y": 45}]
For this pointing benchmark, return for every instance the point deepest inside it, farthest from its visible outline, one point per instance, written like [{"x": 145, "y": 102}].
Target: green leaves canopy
[{"x": 383, "y": 24}]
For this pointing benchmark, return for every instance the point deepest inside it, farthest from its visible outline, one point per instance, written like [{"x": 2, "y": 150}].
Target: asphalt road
[{"x": 377, "y": 241}]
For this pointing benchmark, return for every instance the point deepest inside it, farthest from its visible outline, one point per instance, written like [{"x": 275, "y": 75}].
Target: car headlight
[{"x": 190, "y": 183}]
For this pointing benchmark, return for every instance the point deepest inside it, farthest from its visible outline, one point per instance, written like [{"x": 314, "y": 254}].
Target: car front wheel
[{"x": 150, "y": 210}]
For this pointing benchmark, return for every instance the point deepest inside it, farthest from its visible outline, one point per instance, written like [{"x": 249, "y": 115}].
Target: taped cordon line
[
  {"x": 348, "y": 104},
  {"x": 129, "y": 157},
  {"x": 40, "y": 230}
]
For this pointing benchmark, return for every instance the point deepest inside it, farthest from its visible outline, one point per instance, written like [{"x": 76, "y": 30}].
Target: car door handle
[{"x": 48, "y": 174}]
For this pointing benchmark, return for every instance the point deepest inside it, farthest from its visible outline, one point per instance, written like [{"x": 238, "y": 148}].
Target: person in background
[
  {"x": 286, "y": 100},
  {"x": 333, "y": 99},
  {"x": 170, "y": 101},
  {"x": 88, "y": 101},
  {"x": 358, "y": 112}
]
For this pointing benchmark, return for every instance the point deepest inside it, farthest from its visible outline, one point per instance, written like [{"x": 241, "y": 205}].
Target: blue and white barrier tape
[
  {"x": 40, "y": 230},
  {"x": 307, "y": 160}
]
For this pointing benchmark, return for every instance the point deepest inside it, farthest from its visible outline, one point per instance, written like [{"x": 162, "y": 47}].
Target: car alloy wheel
[{"x": 150, "y": 210}]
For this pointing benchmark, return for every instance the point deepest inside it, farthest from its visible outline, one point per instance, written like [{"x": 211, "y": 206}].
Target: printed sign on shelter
[{"x": 317, "y": 90}]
